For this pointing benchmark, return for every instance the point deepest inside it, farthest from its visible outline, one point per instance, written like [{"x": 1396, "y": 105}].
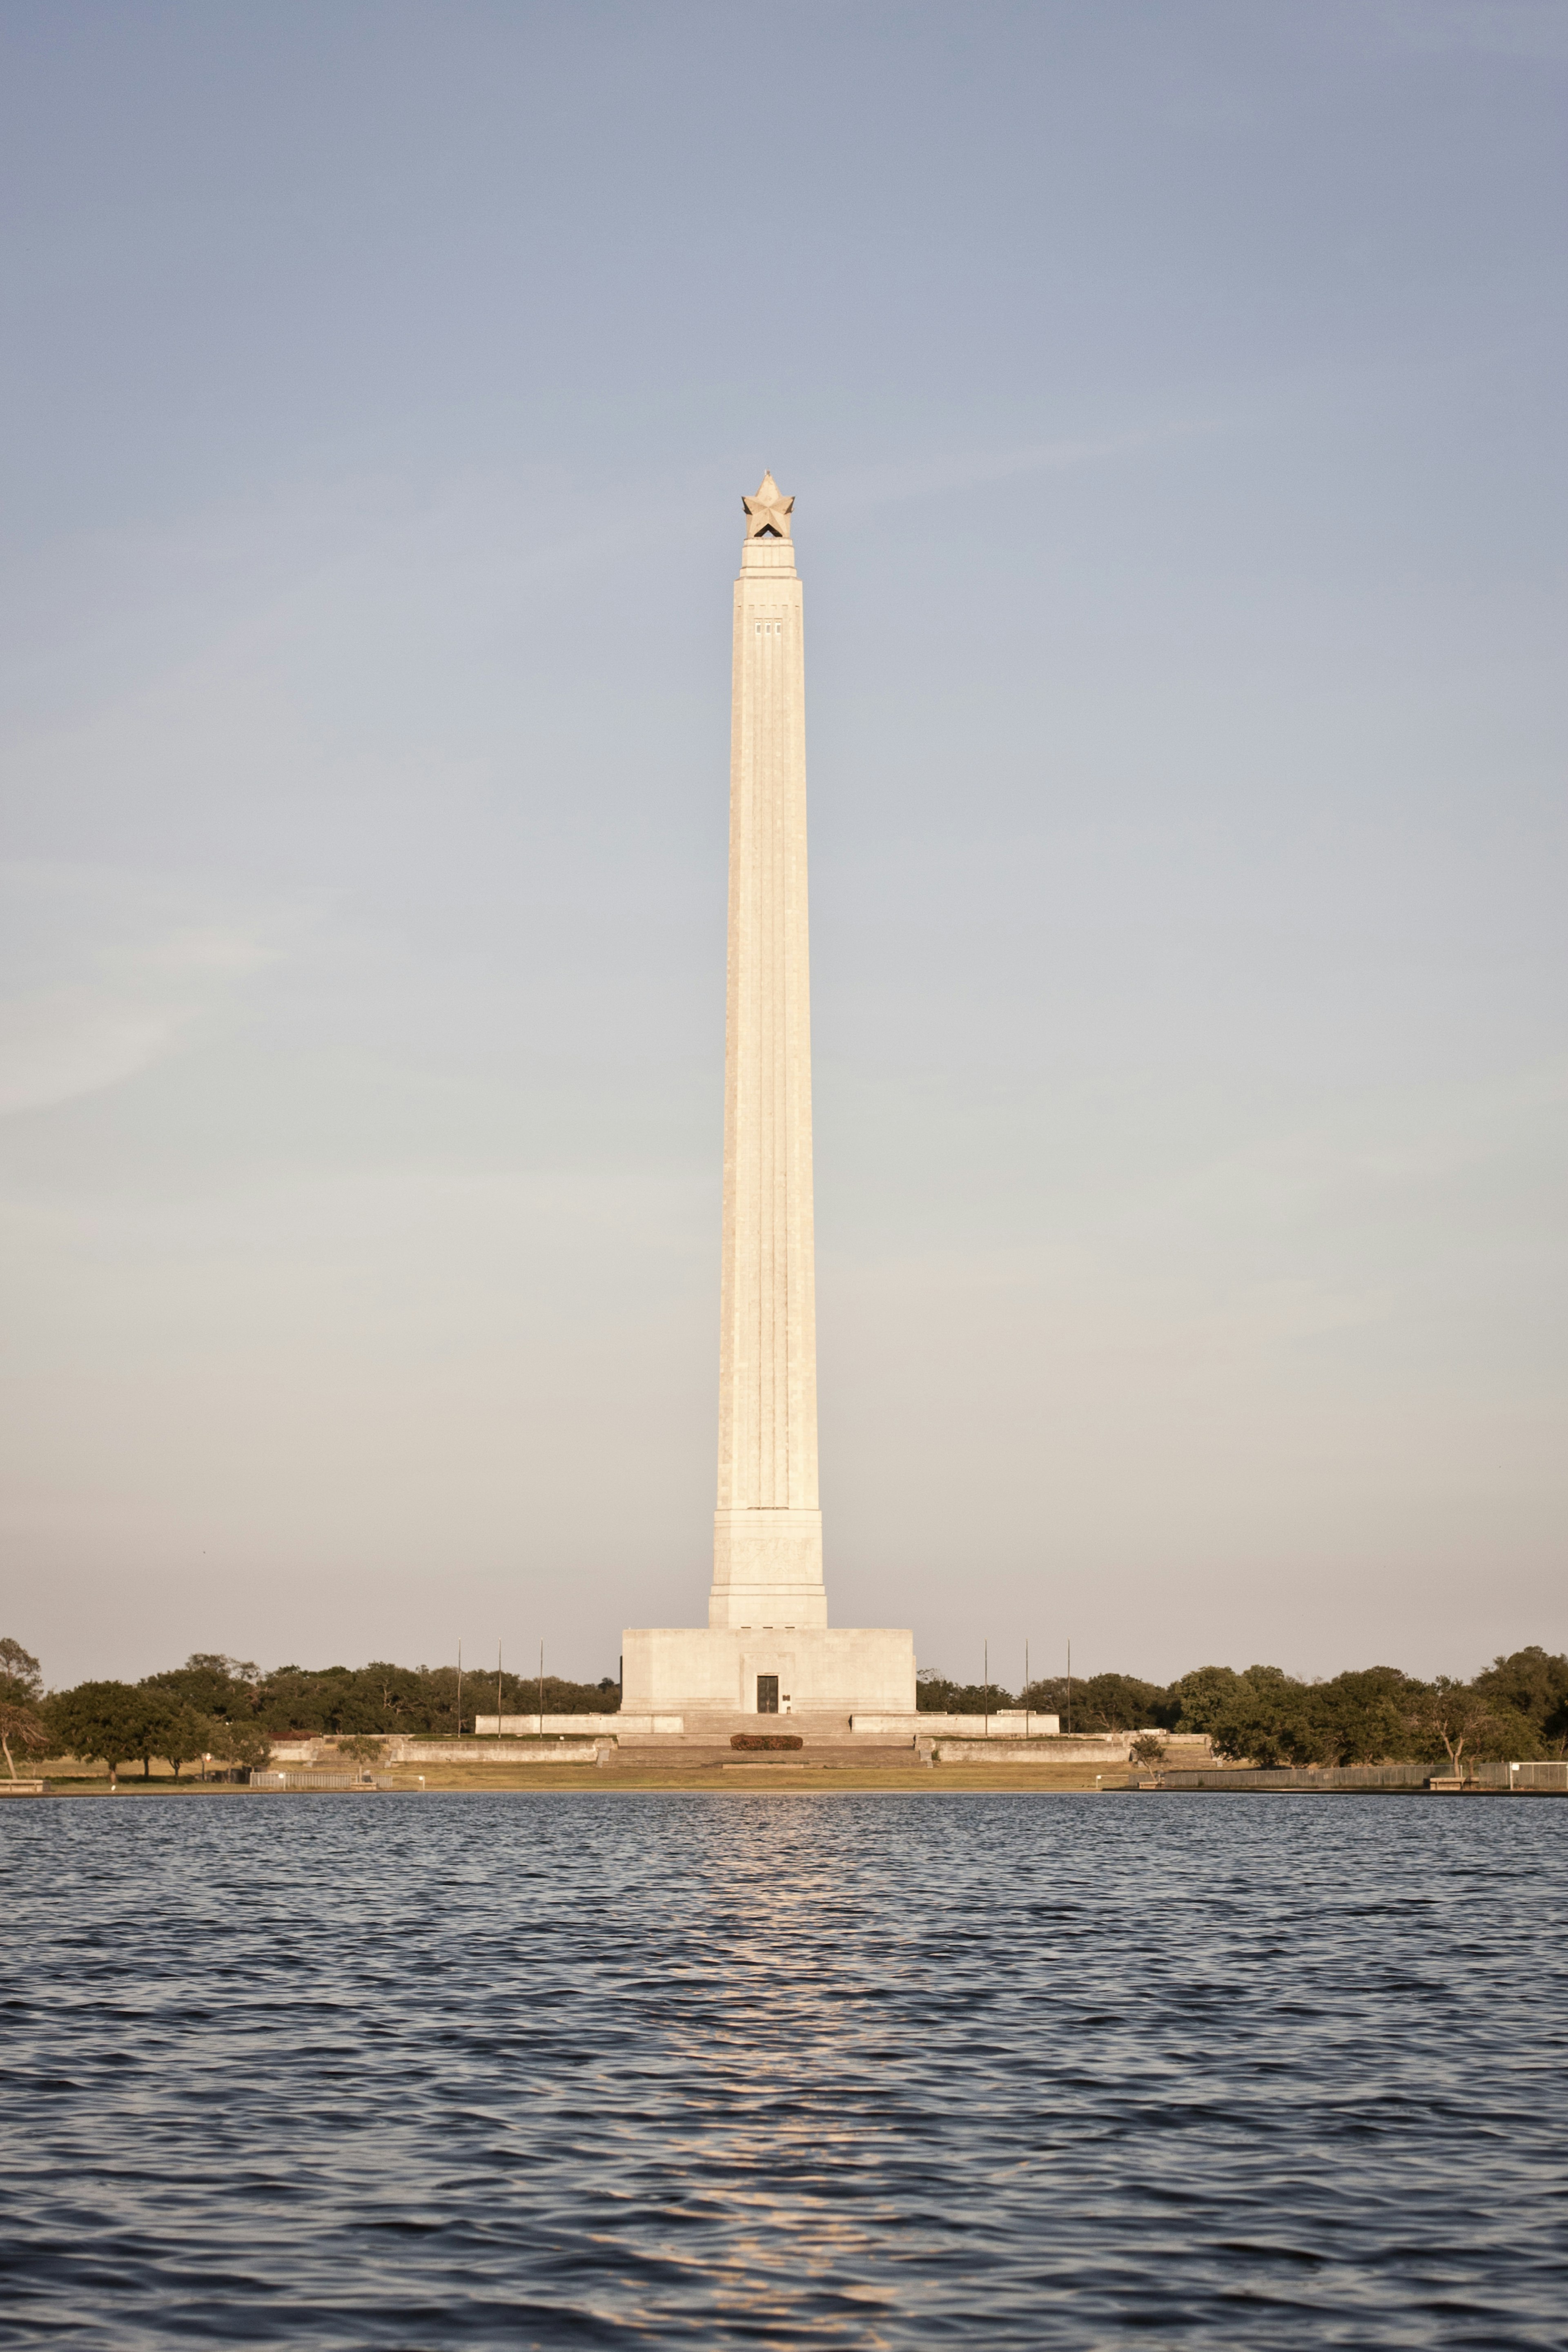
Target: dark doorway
[{"x": 767, "y": 1694}]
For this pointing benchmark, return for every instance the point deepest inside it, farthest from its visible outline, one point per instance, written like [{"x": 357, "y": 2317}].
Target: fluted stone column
[{"x": 767, "y": 1542}]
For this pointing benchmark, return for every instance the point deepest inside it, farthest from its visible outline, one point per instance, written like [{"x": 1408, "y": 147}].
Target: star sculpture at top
[{"x": 769, "y": 511}]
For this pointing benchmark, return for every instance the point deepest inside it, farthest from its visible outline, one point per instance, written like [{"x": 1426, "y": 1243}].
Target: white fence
[
  {"x": 311, "y": 1780},
  {"x": 1539, "y": 1780}
]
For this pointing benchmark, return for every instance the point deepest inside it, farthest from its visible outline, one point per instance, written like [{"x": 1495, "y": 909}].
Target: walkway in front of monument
[
  {"x": 830, "y": 1755},
  {"x": 826, "y": 1740}
]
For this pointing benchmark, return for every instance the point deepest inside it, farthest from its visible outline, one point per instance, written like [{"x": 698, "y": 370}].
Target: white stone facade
[{"x": 706, "y": 1670}]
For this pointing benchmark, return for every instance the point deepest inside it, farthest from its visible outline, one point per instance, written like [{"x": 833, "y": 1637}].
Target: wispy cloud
[
  {"x": 107, "y": 975},
  {"x": 68, "y": 1042}
]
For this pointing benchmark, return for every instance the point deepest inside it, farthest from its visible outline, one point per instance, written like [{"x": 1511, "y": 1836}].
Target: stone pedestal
[{"x": 818, "y": 1669}]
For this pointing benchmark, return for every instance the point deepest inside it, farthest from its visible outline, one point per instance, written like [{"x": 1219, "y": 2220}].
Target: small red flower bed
[{"x": 765, "y": 1739}]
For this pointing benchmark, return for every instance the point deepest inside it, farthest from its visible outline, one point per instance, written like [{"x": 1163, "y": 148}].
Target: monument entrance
[{"x": 767, "y": 1694}]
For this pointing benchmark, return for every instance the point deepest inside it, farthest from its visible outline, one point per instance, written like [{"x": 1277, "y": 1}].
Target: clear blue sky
[{"x": 1173, "y": 395}]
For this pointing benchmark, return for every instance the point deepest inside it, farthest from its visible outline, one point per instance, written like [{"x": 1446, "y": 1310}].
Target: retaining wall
[
  {"x": 592, "y": 1726},
  {"x": 1284, "y": 1778}
]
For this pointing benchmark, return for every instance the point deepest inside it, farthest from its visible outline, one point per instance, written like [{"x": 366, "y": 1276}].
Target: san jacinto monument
[{"x": 767, "y": 1646}]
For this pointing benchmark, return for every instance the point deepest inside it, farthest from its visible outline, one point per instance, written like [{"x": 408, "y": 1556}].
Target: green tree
[
  {"x": 293, "y": 1699},
  {"x": 245, "y": 1746},
  {"x": 211, "y": 1684},
  {"x": 21, "y": 1677},
  {"x": 103, "y": 1720},
  {"x": 21, "y": 1688},
  {"x": 1201, "y": 1696},
  {"x": 936, "y": 1694},
  {"x": 1360, "y": 1717},
  {"x": 1264, "y": 1727},
  {"x": 1047, "y": 1695},
  {"x": 1261, "y": 1716},
  {"x": 1533, "y": 1684},
  {"x": 381, "y": 1698},
  {"x": 183, "y": 1736},
  {"x": 1459, "y": 1717},
  {"x": 1117, "y": 1703},
  {"x": 155, "y": 1727}
]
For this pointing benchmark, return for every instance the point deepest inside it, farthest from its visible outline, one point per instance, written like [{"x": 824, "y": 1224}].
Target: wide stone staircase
[{"x": 826, "y": 1739}]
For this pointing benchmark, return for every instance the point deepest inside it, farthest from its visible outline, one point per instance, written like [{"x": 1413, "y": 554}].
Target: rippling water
[{"x": 773, "y": 2070}]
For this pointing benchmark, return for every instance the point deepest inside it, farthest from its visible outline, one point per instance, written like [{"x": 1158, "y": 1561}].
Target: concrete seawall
[
  {"x": 398, "y": 1749},
  {"x": 973, "y": 1747}
]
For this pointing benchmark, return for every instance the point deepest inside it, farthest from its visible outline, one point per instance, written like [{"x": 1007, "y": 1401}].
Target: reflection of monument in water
[{"x": 767, "y": 1646}]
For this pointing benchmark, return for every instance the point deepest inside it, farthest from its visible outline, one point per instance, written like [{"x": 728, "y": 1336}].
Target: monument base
[{"x": 740, "y": 1669}]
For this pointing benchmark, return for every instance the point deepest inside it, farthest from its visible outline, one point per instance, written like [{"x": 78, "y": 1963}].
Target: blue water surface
[{"x": 771, "y": 2069}]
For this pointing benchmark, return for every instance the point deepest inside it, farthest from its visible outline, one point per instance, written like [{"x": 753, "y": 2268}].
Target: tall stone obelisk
[
  {"x": 767, "y": 1533},
  {"x": 767, "y": 1647}
]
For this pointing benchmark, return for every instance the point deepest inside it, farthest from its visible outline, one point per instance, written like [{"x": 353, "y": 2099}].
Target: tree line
[
  {"x": 225, "y": 1711},
  {"x": 1516, "y": 1707}
]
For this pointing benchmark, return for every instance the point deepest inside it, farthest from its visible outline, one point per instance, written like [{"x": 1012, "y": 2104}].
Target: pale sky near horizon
[{"x": 1173, "y": 395}]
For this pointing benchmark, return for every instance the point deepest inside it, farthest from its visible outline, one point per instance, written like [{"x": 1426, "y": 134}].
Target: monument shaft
[
  {"x": 767, "y": 1647},
  {"x": 767, "y": 1551}
]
